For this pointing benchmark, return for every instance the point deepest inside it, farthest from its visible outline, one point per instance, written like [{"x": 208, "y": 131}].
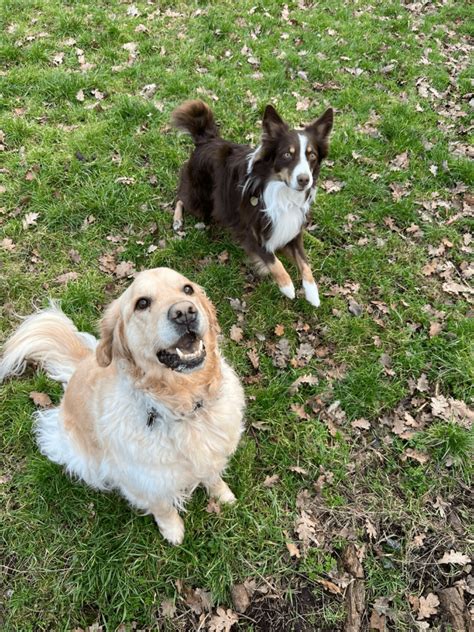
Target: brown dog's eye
[
  {"x": 142, "y": 303},
  {"x": 188, "y": 289},
  {"x": 312, "y": 156},
  {"x": 287, "y": 155}
]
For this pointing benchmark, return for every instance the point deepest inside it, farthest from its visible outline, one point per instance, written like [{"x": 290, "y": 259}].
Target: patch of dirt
[{"x": 300, "y": 612}]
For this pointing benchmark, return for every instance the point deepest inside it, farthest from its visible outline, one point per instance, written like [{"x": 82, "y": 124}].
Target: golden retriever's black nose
[{"x": 182, "y": 313}]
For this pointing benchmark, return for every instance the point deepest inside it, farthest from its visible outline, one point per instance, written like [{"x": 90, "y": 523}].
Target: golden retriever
[{"x": 152, "y": 409}]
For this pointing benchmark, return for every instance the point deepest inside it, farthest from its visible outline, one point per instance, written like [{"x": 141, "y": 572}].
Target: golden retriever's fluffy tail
[
  {"x": 49, "y": 339},
  {"x": 196, "y": 118}
]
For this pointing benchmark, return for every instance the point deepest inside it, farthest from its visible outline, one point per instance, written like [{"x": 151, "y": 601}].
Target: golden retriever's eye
[
  {"x": 142, "y": 303},
  {"x": 188, "y": 289}
]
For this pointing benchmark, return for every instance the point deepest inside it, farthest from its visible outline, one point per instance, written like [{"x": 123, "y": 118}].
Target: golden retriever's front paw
[
  {"x": 172, "y": 529},
  {"x": 227, "y": 497},
  {"x": 222, "y": 492}
]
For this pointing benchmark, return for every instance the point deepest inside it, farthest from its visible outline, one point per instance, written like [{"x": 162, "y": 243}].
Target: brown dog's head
[
  {"x": 162, "y": 320},
  {"x": 294, "y": 156}
]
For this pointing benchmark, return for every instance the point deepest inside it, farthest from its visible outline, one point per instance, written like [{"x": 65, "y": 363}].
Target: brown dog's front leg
[
  {"x": 178, "y": 216},
  {"x": 295, "y": 250},
  {"x": 269, "y": 263}
]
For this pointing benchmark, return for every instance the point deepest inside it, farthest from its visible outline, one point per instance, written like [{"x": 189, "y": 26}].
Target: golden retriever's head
[{"x": 162, "y": 320}]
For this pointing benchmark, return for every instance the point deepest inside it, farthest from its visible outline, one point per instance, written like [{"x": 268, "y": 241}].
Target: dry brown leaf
[
  {"x": 293, "y": 550},
  {"x": 43, "y": 400},
  {"x": 312, "y": 380},
  {"x": 421, "y": 457},
  {"x": 300, "y": 411},
  {"x": 64, "y": 279},
  {"x": 455, "y": 557},
  {"x": 240, "y": 597},
  {"x": 168, "y": 608},
  {"x": 125, "y": 269},
  {"x": 236, "y": 333},
  {"x": 222, "y": 621},
  {"x": 279, "y": 330},
  {"x": 370, "y": 529},
  {"x": 7, "y": 244},
  {"x": 400, "y": 162},
  {"x": 271, "y": 481},
  {"x": 332, "y": 186},
  {"x": 30, "y": 219},
  {"x": 422, "y": 384},
  {"x": 362, "y": 424},
  {"x": 254, "y": 359},
  {"x": 298, "y": 470},
  {"x": 428, "y": 606},
  {"x": 333, "y": 588},
  {"x": 435, "y": 329}
]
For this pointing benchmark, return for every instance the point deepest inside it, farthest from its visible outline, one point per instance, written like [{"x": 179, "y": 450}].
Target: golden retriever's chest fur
[{"x": 168, "y": 457}]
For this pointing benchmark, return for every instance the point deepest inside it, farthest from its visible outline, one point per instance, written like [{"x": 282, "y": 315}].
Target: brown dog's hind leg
[{"x": 178, "y": 216}]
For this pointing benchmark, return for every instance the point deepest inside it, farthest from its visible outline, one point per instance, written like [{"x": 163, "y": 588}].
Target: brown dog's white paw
[
  {"x": 288, "y": 290},
  {"x": 311, "y": 293}
]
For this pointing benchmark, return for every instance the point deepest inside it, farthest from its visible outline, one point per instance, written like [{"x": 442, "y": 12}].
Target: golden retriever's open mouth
[{"x": 188, "y": 353}]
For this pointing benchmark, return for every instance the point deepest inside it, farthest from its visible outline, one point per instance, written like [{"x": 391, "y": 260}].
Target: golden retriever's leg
[
  {"x": 178, "y": 216},
  {"x": 169, "y": 522},
  {"x": 220, "y": 490}
]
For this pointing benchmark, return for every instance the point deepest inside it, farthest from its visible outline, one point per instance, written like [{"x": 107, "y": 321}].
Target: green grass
[{"x": 74, "y": 557}]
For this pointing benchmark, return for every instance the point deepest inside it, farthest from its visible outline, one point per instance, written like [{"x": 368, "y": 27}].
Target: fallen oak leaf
[
  {"x": 455, "y": 557},
  {"x": 240, "y": 597},
  {"x": 293, "y": 550},
  {"x": 312, "y": 380},
  {"x": 421, "y": 457},
  {"x": 223, "y": 620},
  {"x": 271, "y": 481},
  {"x": 361, "y": 424},
  {"x": 333, "y": 588},
  {"x": 428, "y": 606},
  {"x": 43, "y": 400},
  {"x": 236, "y": 333},
  {"x": 254, "y": 359}
]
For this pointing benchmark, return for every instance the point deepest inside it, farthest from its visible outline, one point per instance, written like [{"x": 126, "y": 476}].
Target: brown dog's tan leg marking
[
  {"x": 282, "y": 278},
  {"x": 178, "y": 216}
]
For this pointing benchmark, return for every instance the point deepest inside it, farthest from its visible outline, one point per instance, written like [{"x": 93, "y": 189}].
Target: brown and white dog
[
  {"x": 152, "y": 409},
  {"x": 262, "y": 195}
]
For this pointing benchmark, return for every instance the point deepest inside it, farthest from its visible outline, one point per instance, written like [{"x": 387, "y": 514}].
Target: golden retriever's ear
[{"x": 107, "y": 327}]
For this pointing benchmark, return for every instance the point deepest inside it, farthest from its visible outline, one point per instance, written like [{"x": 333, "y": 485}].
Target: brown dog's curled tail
[{"x": 196, "y": 118}]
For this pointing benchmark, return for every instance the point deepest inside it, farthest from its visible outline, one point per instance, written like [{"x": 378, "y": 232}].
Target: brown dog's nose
[
  {"x": 302, "y": 179},
  {"x": 182, "y": 313}
]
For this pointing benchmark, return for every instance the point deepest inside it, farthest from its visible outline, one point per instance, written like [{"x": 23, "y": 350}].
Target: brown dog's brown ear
[
  {"x": 321, "y": 128},
  {"x": 108, "y": 324},
  {"x": 272, "y": 122}
]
